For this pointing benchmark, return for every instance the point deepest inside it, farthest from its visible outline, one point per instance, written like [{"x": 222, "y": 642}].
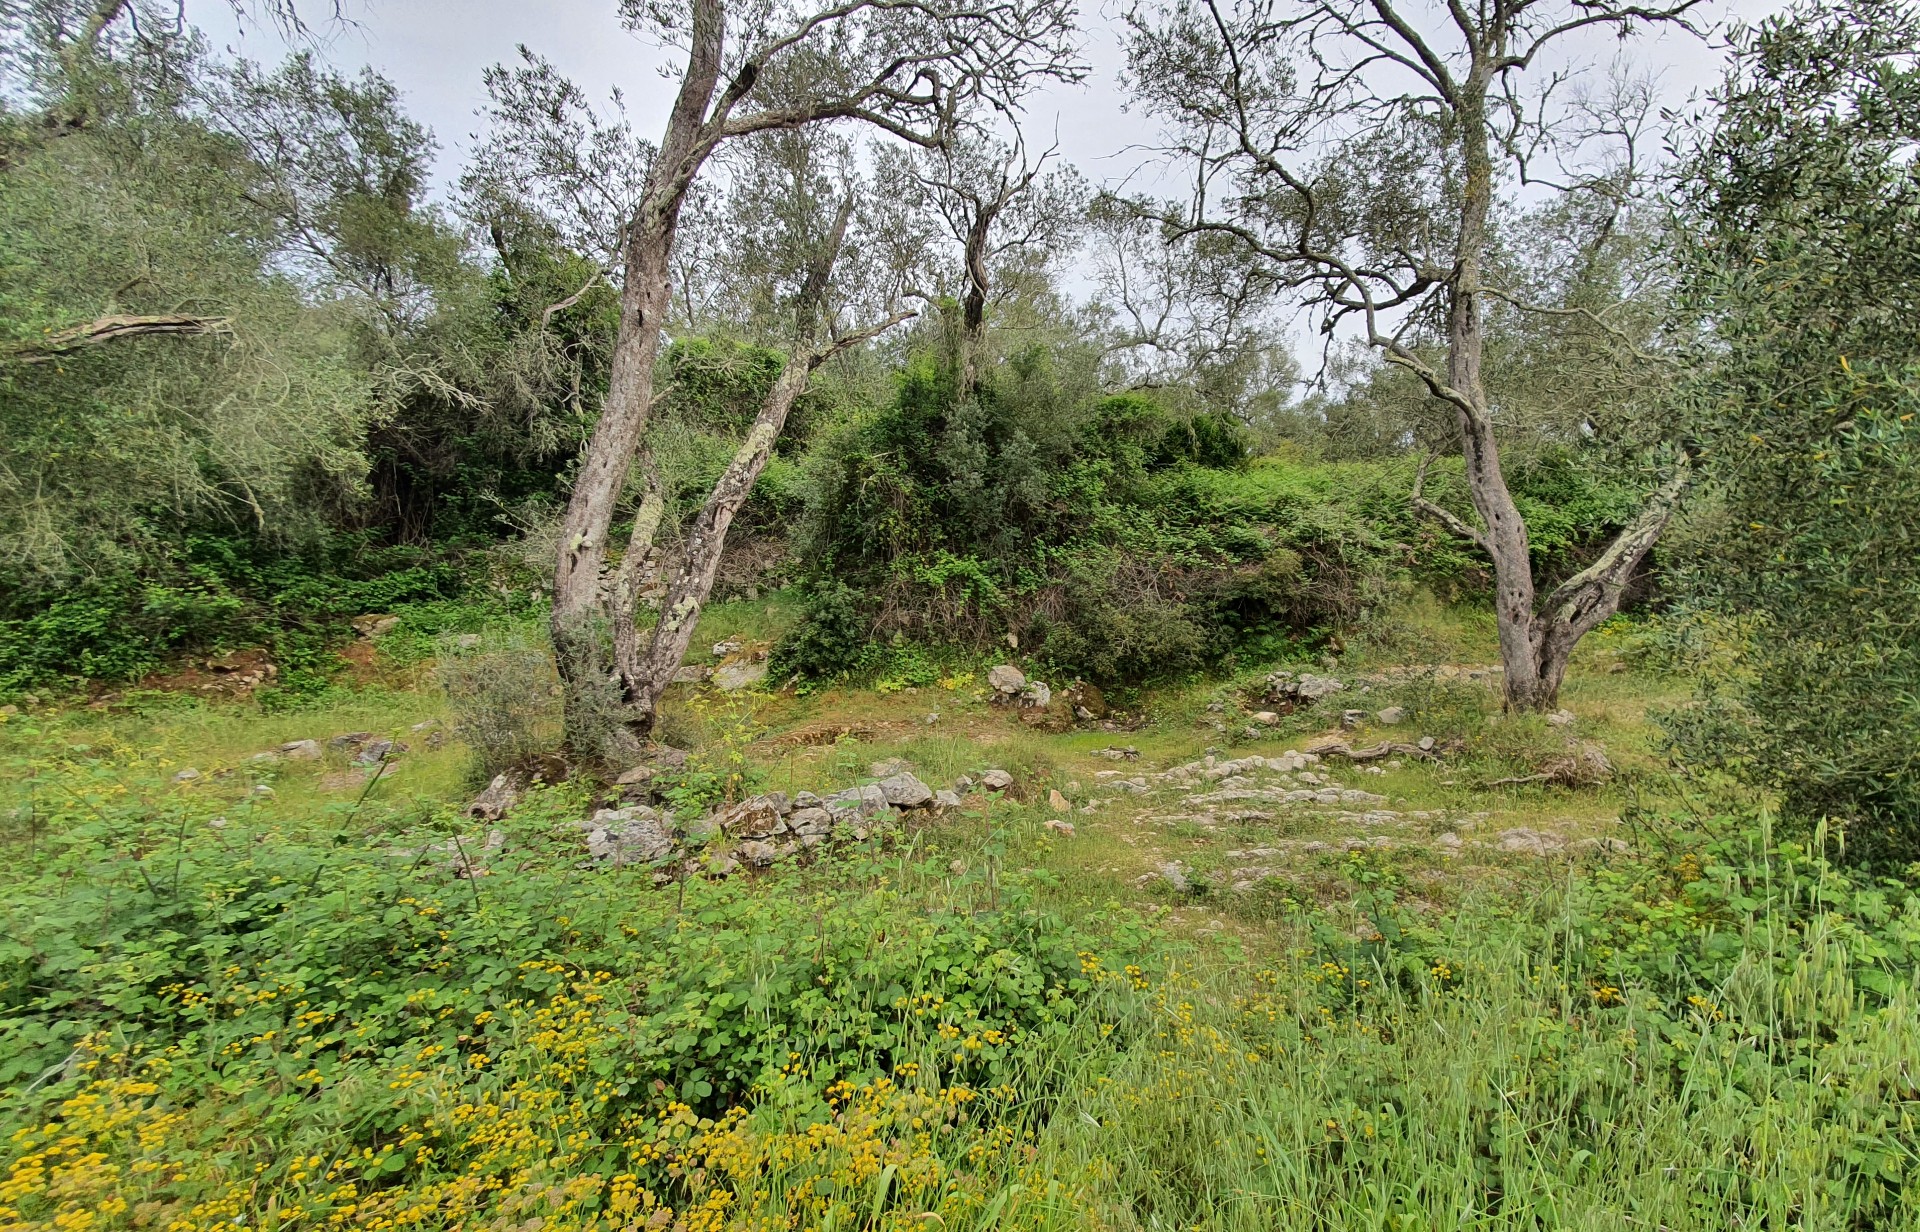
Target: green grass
[{"x": 222, "y": 1007}]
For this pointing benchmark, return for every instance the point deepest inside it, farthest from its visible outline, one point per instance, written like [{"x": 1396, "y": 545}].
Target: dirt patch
[{"x": 229, "y": 677}]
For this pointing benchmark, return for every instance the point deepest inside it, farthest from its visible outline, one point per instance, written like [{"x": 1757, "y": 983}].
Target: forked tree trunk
[
  {"x": 645, "y": 675},
  {"x": 577, "y": 622},
  {"x": 1536, "y": 640}
]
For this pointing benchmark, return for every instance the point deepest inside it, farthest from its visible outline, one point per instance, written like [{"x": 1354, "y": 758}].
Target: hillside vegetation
[{"x": 789, "y": 662}]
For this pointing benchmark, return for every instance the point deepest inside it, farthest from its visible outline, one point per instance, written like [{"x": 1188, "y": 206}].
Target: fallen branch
[{"x": 112, "y": 329}]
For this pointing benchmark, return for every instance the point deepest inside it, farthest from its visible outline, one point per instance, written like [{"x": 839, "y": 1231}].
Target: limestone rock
[
  {"x": 1392, "y": 716},
  {"x": 996, "y": 780},
  {"x": 1561, "y": 718},
  {"x": 374, "y": 625},
  {"x": 1529, "y": 842},
  {"x": 856, "y": 803},
  {"x": 1060, "y": 827},
  {"x": 906, "y": 791},
  {"x": 186, "y": 775},
  {"x": 1006, "y": 679},
  {"x": 1036, "y": 695},
  {"x": 301, "y": 750},
  {"x": 632, "y": 835},
  {"x": 1057, "y": 801},
  {"x": 810, "y": 821},
  {"x": 758, "y": 854},
  {"x": 693, "y": 673},
  {"x": 945, "y": 800},
  {"x": 499, "y": 797},
  {"x": 736, "y": 676}
]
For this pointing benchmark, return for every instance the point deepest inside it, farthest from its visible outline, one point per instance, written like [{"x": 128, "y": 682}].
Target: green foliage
[
  {"x": 1121, "y": 540},
  {"x": 1805, "y": 201},
  {"x": 829, "y": 639},
  {"x": 339, "y": 953}
]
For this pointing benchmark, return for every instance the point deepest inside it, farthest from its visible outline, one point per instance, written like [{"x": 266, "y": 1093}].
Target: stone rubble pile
[{"x": 765, "y": 829}]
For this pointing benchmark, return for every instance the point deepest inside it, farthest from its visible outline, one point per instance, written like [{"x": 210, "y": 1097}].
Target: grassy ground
[{"x": 1458, "y": 1005}]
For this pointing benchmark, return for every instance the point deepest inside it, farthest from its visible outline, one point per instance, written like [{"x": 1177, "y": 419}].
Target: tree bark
[
  {"x": 1536, "y": 641},
  {"x": 579, "y": 641},
  {"x": 973, "y": 311},
  {"x": 646, "y": 677}
]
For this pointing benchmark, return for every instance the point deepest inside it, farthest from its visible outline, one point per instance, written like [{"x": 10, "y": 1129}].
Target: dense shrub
[
  {"x": 1803, "y": 197},
  {"x": 830, "y": 637}
]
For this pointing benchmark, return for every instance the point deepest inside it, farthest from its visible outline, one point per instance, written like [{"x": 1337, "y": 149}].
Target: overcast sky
[{"x": 435, "y": 51}]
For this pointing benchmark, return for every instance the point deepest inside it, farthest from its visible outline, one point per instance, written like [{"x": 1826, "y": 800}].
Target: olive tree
[
  {"x": 1368, "y": 154},
  {"x": 910, "y": 68},
  {"x": 1001, "y": 211},
  {"x": 1801, "y": 194}
]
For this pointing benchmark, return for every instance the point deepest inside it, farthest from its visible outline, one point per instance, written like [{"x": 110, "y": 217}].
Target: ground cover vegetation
[{"x": 797, "y": 664}]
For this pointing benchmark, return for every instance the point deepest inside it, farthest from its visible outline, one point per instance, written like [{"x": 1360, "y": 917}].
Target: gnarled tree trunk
[
  {"x": 645, "y": 675},
  {"x": 1536, "y": 641}
]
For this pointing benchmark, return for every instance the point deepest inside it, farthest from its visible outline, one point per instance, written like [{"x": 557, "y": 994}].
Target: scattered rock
[
  {"x": 856, "y": 803},
  {"x": 348, "y": 741},
  {"x": 722, "y": 649},
  {"x": 946, "y": 800},
  {"x": 376, "y": 751},
  {"x": 495, "y": 802},
  {"x": 736, "y": 676},
  {"x": 1561, "y": 718},
  {"x": 757, "y": 816},
  {"x": 693, "y": 673},
  {"x": 374, "y": 625},
  {"x": 1124, "y": 752},
  {"x": 186, "y": 776},
  {"x": 1265, "y": 718},
  {"x": 1300, "y": 689},
  {"x": 758, "y": 854},
  {"x": 810, "y": 821},
  {"x": 996, "y": 780},
  {"x": 1006, "y": 679},
  {"x": 635, "y": 834},
  {"x": 1424, "y": 744},
  {"x": 1392, "y": 716},
  {"x": 1060, "y": 827},
  {"x": 301, "y": 750},
  {"x": 1174, "y": 876},
  {"x": 906, "y": 791},
  {"x": 1529, "y": 842},
  {"x": 1057, "y": 801},
  {"x": 1351, "y": 719},
  {"x": 1036, "y": 695}
]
